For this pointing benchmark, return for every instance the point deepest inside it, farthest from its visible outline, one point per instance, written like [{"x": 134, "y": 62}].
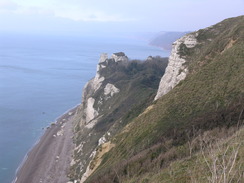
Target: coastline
[{"x": 41, "y": 161}]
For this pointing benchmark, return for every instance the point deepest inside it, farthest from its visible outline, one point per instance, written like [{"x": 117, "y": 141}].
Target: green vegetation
[
  {"x": 185, "y": 134},
  {"x": 183, "y": 50},
  {"x": 138, "y": 82},
  {"x": 221, "y": 161},
  {"x": 215, "y": 40}
]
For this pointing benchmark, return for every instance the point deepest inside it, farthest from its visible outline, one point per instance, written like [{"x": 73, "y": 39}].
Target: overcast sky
[{"x": 114, "y": 15}]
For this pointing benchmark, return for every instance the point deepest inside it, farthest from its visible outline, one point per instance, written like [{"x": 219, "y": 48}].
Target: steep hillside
[
  {"x": 194, "y": 121},
  {"x": 120, "y": 91}
]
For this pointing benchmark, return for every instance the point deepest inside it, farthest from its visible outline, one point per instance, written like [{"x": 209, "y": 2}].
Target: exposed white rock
[
  {"x": 100, "y": 101},
  {"x": 176, "y": 70},
  {"x": 91, "y": 113},
  {"x": 110, "y": 89},
  {"x": 101, "y": 141},
  {"x": 103, "y": 57},
  {"x": 70, "y": 113},
  {"x": 94, "y": 84},
  {"x": 75, "y": 181},
  {"x": 91, "y": 87},
  {"x": 102, "y": 66},
  {"x": 85, "y": 175},
  {"x": 119, "y": 57},
  {"x": 60, "y": 133},
  {"x": 190, "y": 41},
  {"x": 72, "y": 162},
  {"x": 97, "y": 82},
  {"x": 88, "y": 170},
  {"x": 79, "y": 148},
  {"x": 149, "y": 58},
  {"x": 93, "y": 154},
  {"x": 91, "y": 110},
  {"x": 87, "y": 105},
  {"x": 91, "y": 124}
]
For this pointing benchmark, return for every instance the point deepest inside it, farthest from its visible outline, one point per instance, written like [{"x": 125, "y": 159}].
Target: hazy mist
[{"x": 109, "y": 16}]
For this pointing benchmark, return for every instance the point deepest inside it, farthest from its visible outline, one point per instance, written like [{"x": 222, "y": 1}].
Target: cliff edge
[
  {"x": 196, "y": 124},
  {"x": 177, "y": 69},
  {"x": 108, "y": 103}
]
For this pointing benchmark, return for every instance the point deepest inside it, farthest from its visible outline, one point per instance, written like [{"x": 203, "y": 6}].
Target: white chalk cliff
[
  {"x": 119, "y": 57},
  {"x": 176, "y": 70},
  {"x": 109, "y": 90},
  {"x": 95, "y": 94}
]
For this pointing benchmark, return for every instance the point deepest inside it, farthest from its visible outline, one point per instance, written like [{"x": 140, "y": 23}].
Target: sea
[{"x": 41, "y": 77}]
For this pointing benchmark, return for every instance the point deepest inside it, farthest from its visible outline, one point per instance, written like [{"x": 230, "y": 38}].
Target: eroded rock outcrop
[
  {"x": 96, "y": 93},
  {"x": 176, "y": 70},
  {"x": 110, "y": 90},
  {"x": 133, "y": 130},
  {"x": 88, "y": 102},
  {"x": 106, "y": 99},
  {"x": 119, "y": 57}
]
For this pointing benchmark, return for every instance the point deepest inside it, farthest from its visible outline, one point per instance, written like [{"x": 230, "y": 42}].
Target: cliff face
[
  {"x": 177, "y": 69},
  {"x": 195, "y": 123},
  {"x": 90, "y": 112},
  {"x": 107, "y": 104},
  {"x": 194, "y": 50}
]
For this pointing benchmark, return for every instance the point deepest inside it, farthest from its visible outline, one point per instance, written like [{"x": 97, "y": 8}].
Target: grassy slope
[
  {"x": 210, "y": 99},
  {"x": 226, "y": 154}
]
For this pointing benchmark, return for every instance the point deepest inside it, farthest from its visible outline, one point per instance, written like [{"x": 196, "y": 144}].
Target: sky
[{"x": 107, "y": 16}]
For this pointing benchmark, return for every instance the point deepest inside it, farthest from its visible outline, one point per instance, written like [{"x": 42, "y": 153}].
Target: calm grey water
[{"x": 41, "y": 77}]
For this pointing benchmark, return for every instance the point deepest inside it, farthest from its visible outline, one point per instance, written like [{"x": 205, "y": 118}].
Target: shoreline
[
  {"x": 66, "y": 112},
  {"x": 22, "y": 172}
]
